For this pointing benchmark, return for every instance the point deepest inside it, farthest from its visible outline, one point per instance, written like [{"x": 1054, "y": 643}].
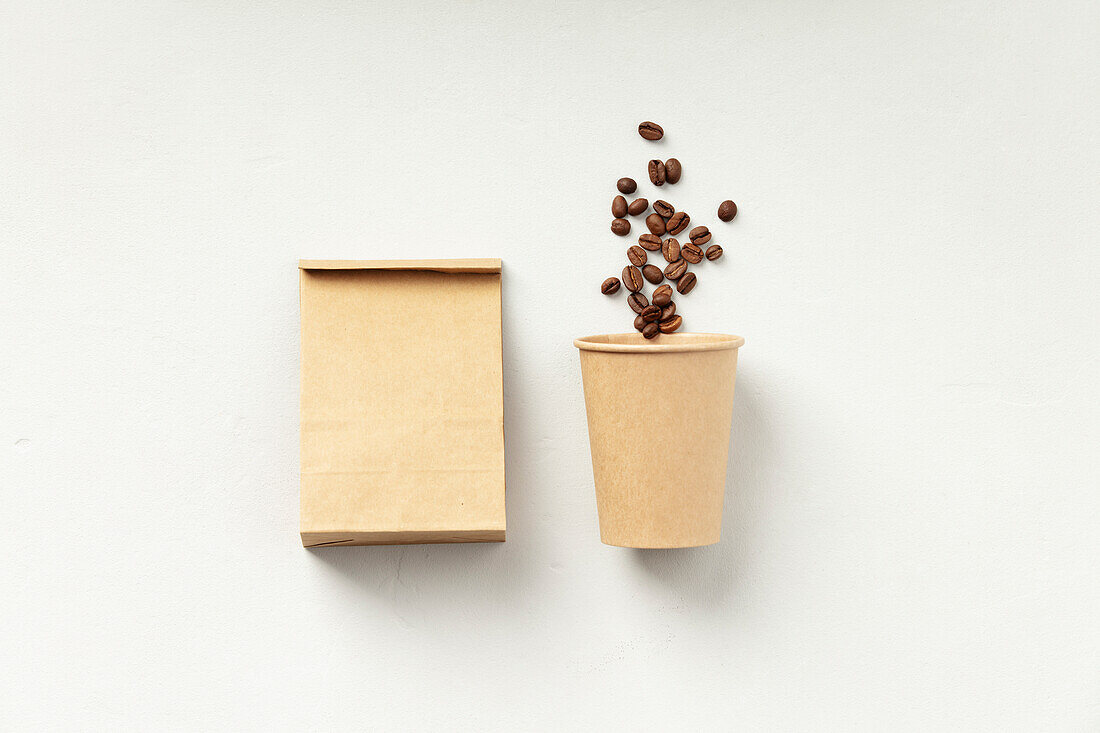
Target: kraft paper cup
[{"x": 659, "y": 415}]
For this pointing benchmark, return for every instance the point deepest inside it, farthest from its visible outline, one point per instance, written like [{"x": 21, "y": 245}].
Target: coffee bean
[
  {"x": 618, "y": 207},
  {"x": 636, "y": 255},
  {"x": 656, "y": 224},
  {"x": 637, "y": 206},
  {"x": 727, "y": 210},
  {"x": 620, "y": 227},
  {"x": 691, "y": 253},
  {"x": 714, "y": 252},
  {"x": 650, "y": 130},
  {"x": 653, "y": 274},
  {"x": 639, "y": 323},
  {"x": 668, "y": 311},
  {"x": 677, "y": 223},
  {"x": 672, "y": 170},
  {"x": 664, "y": 209},
  {"x": 674, "y": 271},
  {"x": 662, "y": 296},
  {"x": 651, "y": 313},
  {"x": 632, "y": 278},
  {"x": 626, "y": 185},
  {"x": 670, "y": 324},
  {"x": 637, "y": 302},
  {"x": 657, "y": 172},
  {"x": 610, "y": 286},
  {"x": 651, "y": 330},
  {"x": 671, "y": 249},
  {"x": 686, "y": 283},
  {"x": 652, "y": 242},
  {"x": 699, "y": 236}
]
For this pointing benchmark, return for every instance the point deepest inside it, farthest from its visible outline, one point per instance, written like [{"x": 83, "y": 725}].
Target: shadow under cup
[{"x": 659, "y": 416}]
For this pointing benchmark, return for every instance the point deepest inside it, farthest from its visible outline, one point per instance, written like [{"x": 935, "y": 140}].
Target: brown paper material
[
  {"x": 402, "y": 402},
  {"x": 685, "y": 383}
]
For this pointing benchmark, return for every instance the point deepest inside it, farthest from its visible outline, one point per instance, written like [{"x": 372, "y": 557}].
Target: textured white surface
[{"x": 911, "y": 534}]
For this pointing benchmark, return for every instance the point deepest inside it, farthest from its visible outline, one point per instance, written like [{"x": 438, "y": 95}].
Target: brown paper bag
[
  {"x": 402, "y": 402},
  {"x": 681, "y": 388}
]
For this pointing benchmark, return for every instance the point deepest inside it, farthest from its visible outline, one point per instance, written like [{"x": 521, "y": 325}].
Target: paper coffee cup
[{"x": 659, "y": 415}]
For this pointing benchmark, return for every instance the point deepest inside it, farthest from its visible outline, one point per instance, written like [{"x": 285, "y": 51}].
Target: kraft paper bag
[
  {"x": 402, "y": 402},
  {"x": 683, "y": 383}
]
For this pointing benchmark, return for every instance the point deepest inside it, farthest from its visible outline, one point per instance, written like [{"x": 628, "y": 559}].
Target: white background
[{"x": 912, "y": 526}]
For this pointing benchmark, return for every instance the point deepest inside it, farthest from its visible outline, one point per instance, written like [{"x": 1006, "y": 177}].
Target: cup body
[{"x": 659, "y": 415}]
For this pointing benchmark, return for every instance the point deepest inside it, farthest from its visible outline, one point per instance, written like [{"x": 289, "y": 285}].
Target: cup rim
[{"x": 629, "y": 342}]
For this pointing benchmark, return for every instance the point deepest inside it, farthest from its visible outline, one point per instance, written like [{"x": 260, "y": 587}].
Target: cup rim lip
[{"x": 667, "y": 343}]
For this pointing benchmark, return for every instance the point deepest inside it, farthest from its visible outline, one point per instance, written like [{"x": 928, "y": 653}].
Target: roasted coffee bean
[
  {"x": 637, "y": 206},
  {"x": 651, "y": 313},
  {"x": 636, "y": 255},
  {"x": 727, "y": 210},
  {"x": 632, "y": 278},
  {"x": 639, "y": 323},
  {"x": 686, "y": 283},
  {"x": 691, "y": 253},
  {"x": 653, "y": 274},
  {"x": 672, "y": 170},
  {"x": 618, "y": 207},
  {"x": 652, "y": 242},
  {"x": 637, "y": 302},
  {"x": 620, "y": 227},
  {"x": 662, "y": 296},
  {"x": 677, "y": 223},
  {"x": 671, "y": 249},
  {"x": 668, "y": 311},
  {"x": 657, "y": 172},
  {"x": 699, "y": 236},
  {"x": 674, "y": 271},
  {"x": 670, "y": 324},
  {"x": 651, "y": 330},
  {"x": 610, "y": 286},
  {"x": 664, "y": 208},
  {"x": 656, "y": 224},
  {"x": 626, "y": 185},
  {"x": 650, "y": 130},
  {"x": 714, "y": 251}
]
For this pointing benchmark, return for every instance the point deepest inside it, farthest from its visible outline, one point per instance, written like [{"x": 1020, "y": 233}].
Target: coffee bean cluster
[{"x": 657, "y": 314}]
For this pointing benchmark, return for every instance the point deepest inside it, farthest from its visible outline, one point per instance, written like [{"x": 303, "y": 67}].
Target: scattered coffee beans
[
  {"x": 691, "y": 253},
  {"x": 671, "y": 249},
  {"x": 699, "y": 236},
  {"x": 677, "y": 223},
  {"x": 656, "y": 224},
  {"x": 651, "y": 330},
  {"x": 672, "y": 170},
  {"x": 626, "y": 185},
  {"x": 664, "y": 209},
  {"x": 714, "y": 252},
  {"x": 651, "y": 131},
  {"x": 632, "y": 278},
  {"x": 652, "y": 242},
  {"x": 662, "y": 296},
  {"x": 657, "y": 172},
  {"x": 686, "y": 283},
  {"x": 637, "y": 206},
  {"x": 637, "y": 302},
  {"x": 668, "y": 325},
  {"x": 653, "y": 274},
  {"x": 651, "y": 313},
  {"x": 636, "y": 255},
  {"x": 618, "y": 207},
  {"x": 620, "y": 227},
  {"x": 674, "y": 271},
  {"x": 610, "y": 286},
  {"x": 727, "y": 210}
]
